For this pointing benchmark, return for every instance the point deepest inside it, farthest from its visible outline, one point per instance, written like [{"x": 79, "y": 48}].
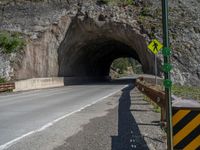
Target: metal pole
[
  {"x": 167, "y": 74},
  {"x": 156, "y": 72}
]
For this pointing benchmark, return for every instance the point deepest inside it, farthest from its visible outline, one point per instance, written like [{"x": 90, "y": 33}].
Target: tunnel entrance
[{"x": 89, "y": 49}]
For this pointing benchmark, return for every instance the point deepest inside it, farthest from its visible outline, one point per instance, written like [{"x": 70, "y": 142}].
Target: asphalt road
[{"x": 23, "y": 114}]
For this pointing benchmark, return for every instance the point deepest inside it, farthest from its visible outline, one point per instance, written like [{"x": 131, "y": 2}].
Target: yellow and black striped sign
[{"x": 186, "y": 129}]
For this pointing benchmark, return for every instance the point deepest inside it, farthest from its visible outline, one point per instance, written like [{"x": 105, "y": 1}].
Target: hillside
[{"x": 43, "y": 24}]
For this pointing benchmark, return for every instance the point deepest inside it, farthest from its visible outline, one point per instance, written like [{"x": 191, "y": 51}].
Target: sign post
[
  {"x": 155, "y": 46},
  {"x": 167, "y": 67},
  {"x": 156, "y": 70}
]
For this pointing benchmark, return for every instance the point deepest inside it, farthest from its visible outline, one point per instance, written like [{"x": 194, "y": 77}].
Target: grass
[
  {"x": 11, "y": 42},
  {"x": 156, "y": 108},
  {"x": 187, "y": 92}
]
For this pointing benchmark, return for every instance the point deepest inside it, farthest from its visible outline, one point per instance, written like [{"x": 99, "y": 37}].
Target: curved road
[{"x": 23, "y": 114}]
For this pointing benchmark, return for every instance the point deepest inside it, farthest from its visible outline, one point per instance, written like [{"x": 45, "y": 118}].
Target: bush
[
  {"x": 121, "y": 65},
  {"x": 10, "y": 43},
  {"x": 2, "y": 80},
  {"x": 145, "y": 12}
]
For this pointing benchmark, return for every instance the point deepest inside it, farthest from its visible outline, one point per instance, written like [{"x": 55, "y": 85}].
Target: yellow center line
[
  {"x": 186, "y": 130},
  {"x": 194, "y": 144},
  {"x": 179, "y": 115}
]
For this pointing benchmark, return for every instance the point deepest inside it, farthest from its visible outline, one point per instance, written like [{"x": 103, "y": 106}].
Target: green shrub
[
  {"x": 145, "y": 12},
  {"x": 2, "y": 80},
  {"x": 10, "y": 42},
  {"x": 127, "y": 2},
  {"x": 120, "y": 64}
]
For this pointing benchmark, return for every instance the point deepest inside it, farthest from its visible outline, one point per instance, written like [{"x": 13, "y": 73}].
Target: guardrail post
[
  {"x": 163, "y": 114},
  {"x": 155, "y": 95},
  {"x": 185, "y": 119}
]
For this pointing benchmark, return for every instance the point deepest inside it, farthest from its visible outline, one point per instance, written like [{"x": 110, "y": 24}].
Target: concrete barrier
[
  {"x": 41, "y": 83},
  {"x": 38, "y": 83}
]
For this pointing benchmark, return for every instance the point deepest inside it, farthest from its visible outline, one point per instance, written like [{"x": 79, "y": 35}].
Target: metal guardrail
[
  {"x": 185, "y": 119},
  {"x": 6, "y": 86},
  {"x": 154, "y": 94}
]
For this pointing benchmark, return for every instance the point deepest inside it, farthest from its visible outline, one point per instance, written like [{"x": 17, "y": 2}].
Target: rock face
[
  {"x": 69, "y": 38},
  {"x": 5, "y": 66},
  {"x": 43, "y": 26}
]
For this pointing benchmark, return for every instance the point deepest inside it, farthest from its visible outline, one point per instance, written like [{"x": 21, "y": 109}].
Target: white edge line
[{"x": 14, "y": 141}]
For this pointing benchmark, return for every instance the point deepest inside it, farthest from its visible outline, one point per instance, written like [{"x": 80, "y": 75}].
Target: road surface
[{"x": 23, "y": 114}]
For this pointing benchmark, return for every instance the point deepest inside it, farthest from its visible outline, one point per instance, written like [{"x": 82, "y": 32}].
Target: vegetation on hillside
[
  {"x": 123, "y": 66},
  {"x": 11, "y": 42},
  {"x": 188, "y": 92},
  {"x": 2, "y": 80}
]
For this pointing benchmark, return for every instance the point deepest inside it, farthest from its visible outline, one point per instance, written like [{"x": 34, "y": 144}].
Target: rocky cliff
[{"x": 48, "y": 27}]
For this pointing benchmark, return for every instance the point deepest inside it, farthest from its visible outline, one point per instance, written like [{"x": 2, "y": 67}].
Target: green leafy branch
[{"x": 11, "y": 42}]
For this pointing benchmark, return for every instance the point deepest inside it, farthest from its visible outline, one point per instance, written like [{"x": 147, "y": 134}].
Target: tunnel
[{"x": 90, "y": 47}]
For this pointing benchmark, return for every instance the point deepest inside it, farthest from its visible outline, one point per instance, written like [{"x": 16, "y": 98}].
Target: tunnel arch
[{"x": 90, "y": 47}]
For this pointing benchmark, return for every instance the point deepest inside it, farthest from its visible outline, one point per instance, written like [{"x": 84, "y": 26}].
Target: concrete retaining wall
[
  {"x": 38, "y": 83},
  {"x": 41, "y": 83}
]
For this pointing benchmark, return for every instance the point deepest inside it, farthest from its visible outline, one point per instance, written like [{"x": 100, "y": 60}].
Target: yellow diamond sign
[{"x": 155, "y": 46}]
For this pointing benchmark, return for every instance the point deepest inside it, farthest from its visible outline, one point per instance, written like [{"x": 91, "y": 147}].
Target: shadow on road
[
  {"x": 129, "y": 136},
  {"x": 88, "y": 81}
]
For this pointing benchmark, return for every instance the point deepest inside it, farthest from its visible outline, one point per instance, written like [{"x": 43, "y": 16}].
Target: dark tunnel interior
[{"x": 94, "y": 59}]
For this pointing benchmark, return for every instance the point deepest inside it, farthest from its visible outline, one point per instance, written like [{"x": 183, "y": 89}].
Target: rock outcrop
[{"x": 82, "y": 38}]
